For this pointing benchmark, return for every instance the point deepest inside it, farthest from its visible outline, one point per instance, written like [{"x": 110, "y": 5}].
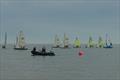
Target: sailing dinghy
[
  {"x": 57, "y": 42},
  {"x": 90, "y": 43},
  {"x": 108, "y": 43},
  {"x": 20, "y": 42},
  {"x": 100, "y": 42},
  {"x": 77, "y": 43},
  {"x": 65, "y": 41},
  {"x": 5, "y": 43}
]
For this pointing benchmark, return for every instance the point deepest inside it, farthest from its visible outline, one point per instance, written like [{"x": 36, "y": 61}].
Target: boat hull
[
  {"x": 56, "y": 47},
  {"x": 108, "y": 47},
  {"x": 76, "y": 46},
  {"x": 20, "y": 48},
  {"x": 89, "y": 46},
  {"x": 36, "y": 53},
  {"x": 3, "y": 47}
]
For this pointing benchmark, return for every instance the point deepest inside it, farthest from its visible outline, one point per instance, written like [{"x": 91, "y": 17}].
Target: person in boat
[
  {"x": 110, "y": 44},
  {"x": 34, "y": 49},
  {"x": 43, "y": 49}
]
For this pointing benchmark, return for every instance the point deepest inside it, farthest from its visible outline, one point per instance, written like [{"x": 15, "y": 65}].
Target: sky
[{"x": 41, "y": 20}]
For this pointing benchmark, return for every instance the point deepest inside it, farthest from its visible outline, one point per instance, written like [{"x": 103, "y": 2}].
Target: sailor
[
  {"x": 43, "y": 49},
  {"x": 110, "y": 44},
  {"x": 34, "y": 49}
]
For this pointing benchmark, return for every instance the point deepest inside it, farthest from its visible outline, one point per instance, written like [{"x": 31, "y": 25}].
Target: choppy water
[{"x": 96, "y": 64}]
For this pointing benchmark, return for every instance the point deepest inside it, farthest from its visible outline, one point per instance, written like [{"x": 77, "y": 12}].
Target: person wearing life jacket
[
  {"x": 34, "y": 49},
  {"x": 43, "y": 49}
]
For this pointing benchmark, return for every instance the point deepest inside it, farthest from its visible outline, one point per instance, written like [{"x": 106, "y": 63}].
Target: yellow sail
[
  {"x": 77, "y": 43},
  {"x": 90, "y": 42},
  {"x": 100, "y": 42}
]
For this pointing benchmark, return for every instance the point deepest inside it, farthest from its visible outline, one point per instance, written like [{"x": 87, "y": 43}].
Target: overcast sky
[{"x": 41, "y": 20}]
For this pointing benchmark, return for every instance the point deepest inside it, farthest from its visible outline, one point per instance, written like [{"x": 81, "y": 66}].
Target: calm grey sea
[{"x": 95, "y": 64}]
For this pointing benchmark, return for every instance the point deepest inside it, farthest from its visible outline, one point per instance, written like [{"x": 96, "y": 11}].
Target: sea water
[{"x": 95, "y": 64}]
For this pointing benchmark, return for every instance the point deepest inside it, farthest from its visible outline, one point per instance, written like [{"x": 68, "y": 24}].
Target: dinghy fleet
[
  {"x": 77, "y": 43},
  {"x": 62, "y": 44}
]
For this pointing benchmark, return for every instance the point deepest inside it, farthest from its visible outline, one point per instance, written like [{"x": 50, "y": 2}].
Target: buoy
[{"x": 81, "y": 53}]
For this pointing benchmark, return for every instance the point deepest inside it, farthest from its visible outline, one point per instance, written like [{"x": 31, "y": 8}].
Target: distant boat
[
  {"x": 108, "y": 43},
  {"x": 77, "y": 43},
  {"x": 56, "y": 42},
  {"x": 65, "y": 41},
  {"x": 5, "y": 41},
  {"x": 100, "y": 42},
  {"x": 90, "y": 43},
  {"x": 20, "y": 42}
]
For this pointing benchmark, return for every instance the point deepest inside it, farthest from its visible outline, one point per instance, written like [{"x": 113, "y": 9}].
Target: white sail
[
  {"x": 108, "y": 41},
  {"x": 57, "y": 42},
  {"x": 20, "y": 40},
  {"x": 17, "y": 45},
  {"x": 66, "y": 41}
]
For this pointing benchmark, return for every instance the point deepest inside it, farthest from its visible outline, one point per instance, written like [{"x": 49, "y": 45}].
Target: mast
[
  {"x": 0, "y": 36},
  {"x": 5, "y": 39}
]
